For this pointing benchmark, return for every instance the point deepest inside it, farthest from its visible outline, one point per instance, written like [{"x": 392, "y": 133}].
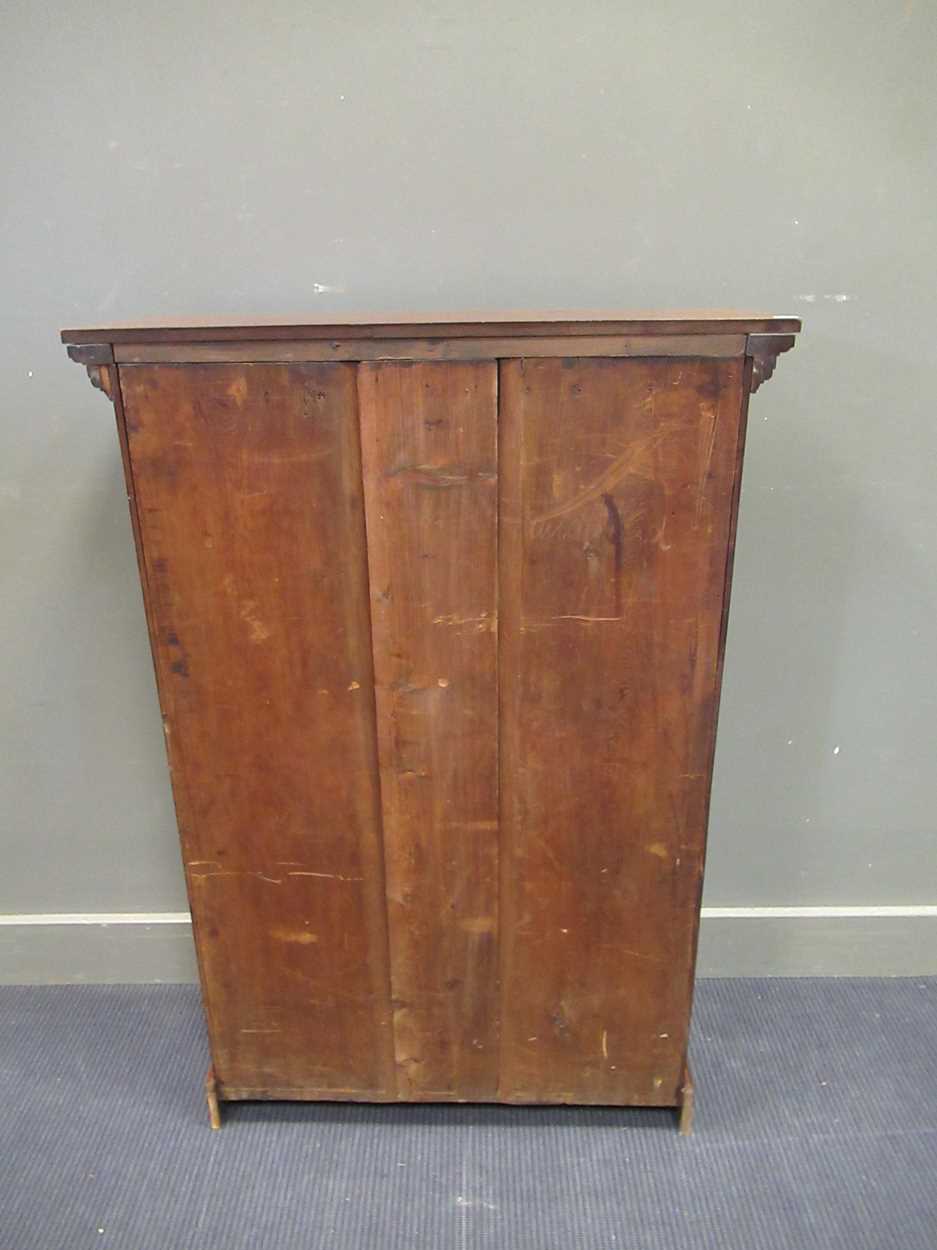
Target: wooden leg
[
  {"x": 211, "y": 1095},
  {"x": 686, "y": 1103}
]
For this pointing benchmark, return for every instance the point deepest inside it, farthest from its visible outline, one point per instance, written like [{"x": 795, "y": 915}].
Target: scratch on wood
[
  {"x": 330, "y": 876},
  {"x": 234, "y": 872},
  {"x": 477, "y": 924},
  {"x": 652, "y": 959},
  {"x": 483, "y": 622},
  {"x": 301, "y": 937},
  {"x": 589, "y": 620},
  {"x": 634, "y": 460},
  {"x": 439, "y": 476},
  {"x": 259, "y": 632},
  {"x": 704, "y": 471}
]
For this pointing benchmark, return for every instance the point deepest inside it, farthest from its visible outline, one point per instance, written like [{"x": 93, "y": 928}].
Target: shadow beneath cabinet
[{"x": 450, "y": 1115}]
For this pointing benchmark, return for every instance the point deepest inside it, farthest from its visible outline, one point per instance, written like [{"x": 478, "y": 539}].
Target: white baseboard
[
  {"x": 815, "y": 913},
  {"x": 94, "y": 917},
  {"x": 861, "y": 940}
]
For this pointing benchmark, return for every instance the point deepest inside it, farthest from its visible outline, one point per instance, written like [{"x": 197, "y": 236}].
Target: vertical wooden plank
[
  {"x": 617, "y": 480},
  {"x": 248, "y": 497},
  {"x": 747, "y": 373},
  {"x": 429, "y": 448}
]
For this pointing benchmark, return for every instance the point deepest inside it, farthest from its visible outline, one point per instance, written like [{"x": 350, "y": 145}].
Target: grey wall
[{"x": 195, "y": 159}]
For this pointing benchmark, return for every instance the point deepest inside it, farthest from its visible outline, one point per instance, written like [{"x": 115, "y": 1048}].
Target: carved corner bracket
[
  {"x": 100, "y": 376},
  {"x": 98, "y": 359},
  {"x": 764, "y": 350}
]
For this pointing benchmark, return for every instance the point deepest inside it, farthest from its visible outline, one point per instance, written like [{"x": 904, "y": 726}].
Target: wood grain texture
[
  {"x": 430, "y": 468},
  {"x": 617, "y": 481},
  {"x": 247, "y": 488}
]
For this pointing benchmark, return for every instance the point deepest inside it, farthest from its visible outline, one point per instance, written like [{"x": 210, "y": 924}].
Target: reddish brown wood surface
[
  {"x": 617, "y": 481},
  {"x": 430, "y": 468},
  {"x": 247, "y": 485}
]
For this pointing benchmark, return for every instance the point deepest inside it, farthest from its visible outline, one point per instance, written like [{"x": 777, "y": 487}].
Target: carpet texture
[{"x": 816, "y": 1126}]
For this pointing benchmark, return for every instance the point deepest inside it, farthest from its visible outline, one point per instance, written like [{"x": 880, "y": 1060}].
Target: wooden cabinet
[{"x": 437, "y": 612}]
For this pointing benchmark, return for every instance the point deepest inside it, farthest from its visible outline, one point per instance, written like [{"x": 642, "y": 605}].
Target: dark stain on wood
[{"x": 615, "y": 537}]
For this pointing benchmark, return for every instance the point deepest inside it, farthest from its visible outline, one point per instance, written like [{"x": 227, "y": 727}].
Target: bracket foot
[
  {"x": 686, "y": 1104},
  {"x": 211, "y": 1097}
]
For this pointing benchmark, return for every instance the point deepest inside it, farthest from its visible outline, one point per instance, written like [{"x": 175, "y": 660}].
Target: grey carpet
[{"x": 816, "y": 1127}]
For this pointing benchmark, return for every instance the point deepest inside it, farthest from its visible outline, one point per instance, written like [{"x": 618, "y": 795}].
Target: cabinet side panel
[
  {"x": 248, "y": 491},
  {"x": 429, "y": 447},
  {"x": 617, "y": 482}
]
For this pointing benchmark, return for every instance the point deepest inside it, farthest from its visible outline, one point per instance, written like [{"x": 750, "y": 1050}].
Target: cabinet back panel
[
  {"x": 617, "y": 482},
  {"x": 429, "y": 442},
  {"x": 248, "y": 491},
  {"x": 459, "y": 623}
]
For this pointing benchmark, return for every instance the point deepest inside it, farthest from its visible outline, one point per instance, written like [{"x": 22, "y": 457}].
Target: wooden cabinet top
[
  {"x": 509, "y": 324},
  {"x": 439, "y": 336}
]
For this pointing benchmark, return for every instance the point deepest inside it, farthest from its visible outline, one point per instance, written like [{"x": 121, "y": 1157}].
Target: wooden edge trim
[
  {"x": 496, "y": 327},
  {"x": 710, "y": 345},
  {"x": 261, "y": 1093},
  {"x": 303, "y": 1093},
  {"x": 764, "y": 350},
  {"x": 742, "y": 430}
]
